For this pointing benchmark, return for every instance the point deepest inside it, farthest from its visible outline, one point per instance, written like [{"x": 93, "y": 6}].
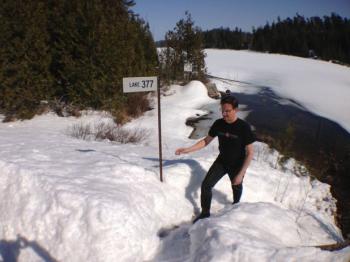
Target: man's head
[{"x": 229, "y": 107}]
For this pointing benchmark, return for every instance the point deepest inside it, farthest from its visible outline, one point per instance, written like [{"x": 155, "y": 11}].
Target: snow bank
[
  {"x": 72, "y": 200},
  {"x": 319, "y": 86},
  {"x": 257, "y": 232},
  {"x": 112, "y": 216},
  {"x": 178, "y": 103},
  {"x": 80, "y": 201}
]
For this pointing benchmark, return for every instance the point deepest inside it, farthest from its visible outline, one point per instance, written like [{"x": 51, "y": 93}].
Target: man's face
[{"x": 228, "y": 113}]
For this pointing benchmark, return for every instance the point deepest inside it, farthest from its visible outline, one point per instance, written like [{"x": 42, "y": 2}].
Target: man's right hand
[
  {"x": 199, "y": 145},
  {"x": 180, "y": 151}
]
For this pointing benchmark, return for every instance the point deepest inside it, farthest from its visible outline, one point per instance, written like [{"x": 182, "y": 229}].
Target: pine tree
[
  {"x": 24, "y": 58},
  {"x": 76, "y": 52},
  {"x": 97, "y": 43},
  {"x": 184, "y": 45}
]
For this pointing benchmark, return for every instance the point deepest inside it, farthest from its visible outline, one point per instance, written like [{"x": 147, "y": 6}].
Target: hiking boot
[{"x": 201, "y": 216}]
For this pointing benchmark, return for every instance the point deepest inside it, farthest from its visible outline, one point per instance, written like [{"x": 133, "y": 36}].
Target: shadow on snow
[{"x": 11, "y": 249}]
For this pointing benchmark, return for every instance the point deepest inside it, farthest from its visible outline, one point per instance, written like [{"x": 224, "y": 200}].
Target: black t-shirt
[{"x": 233, "y": 139}]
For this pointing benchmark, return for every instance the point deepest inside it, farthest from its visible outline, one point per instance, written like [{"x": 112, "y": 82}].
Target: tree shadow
[
  {"x": 197, "y": 175},
  {"x": 11, "y": 249}
]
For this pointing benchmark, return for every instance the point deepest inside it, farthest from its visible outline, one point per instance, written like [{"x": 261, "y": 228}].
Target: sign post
[
  {"x": 160, "y": 134},
  {"x": 146, "y": 84}
]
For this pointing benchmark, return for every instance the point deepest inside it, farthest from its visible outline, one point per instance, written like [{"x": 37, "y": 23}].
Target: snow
[
  {"x": 67, "y": 199},
  {"x": 321, "y": 87}
]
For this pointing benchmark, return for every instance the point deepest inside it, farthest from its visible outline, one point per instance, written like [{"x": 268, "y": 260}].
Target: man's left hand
[{"x": 237, "y": 180}]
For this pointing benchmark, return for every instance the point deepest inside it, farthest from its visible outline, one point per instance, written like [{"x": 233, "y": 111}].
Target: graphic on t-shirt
[{"x": 228, "y": 135}]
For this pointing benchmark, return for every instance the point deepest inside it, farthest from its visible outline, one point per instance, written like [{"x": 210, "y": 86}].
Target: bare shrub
[
  {"x": 111, "y": 132},
  {"x": 119, "y": 134},
  {"x": 64, "y": 109},
  {"x": 80, "y": 131},
  {"x": 9, "y": 118},
  {"x": 137, "y": 135},
  {"x": 137, "y": 109},
  {"x": 43, "y": 107}
]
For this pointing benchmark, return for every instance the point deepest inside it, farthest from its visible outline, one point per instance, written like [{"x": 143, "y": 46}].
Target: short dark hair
[{"x": 229, "y": 98}]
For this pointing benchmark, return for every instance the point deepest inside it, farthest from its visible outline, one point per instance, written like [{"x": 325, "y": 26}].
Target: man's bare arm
[
  {"x": 248, "y": 158},
  {"x": 197, "y": 146}
]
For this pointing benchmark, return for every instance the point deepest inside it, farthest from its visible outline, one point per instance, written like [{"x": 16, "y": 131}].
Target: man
[{"x": 236, "y": 152}]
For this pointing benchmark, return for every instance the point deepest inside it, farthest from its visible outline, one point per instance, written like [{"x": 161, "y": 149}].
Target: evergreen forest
[
  {"x": 225, "y": 38},
  {"x": 67, "y": 55},
  {"x": 58, "y": 53},
  {"x": 327, "y": 38}
]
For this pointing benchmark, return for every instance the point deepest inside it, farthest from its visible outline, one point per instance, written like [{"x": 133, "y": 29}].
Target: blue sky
[{"x": 162, "y": 15}]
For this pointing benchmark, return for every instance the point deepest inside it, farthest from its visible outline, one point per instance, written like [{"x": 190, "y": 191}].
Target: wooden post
[{"x": 160, "y": 134}]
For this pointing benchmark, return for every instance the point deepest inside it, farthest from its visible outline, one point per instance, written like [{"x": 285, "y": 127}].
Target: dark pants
[{"x": 215, "y": 173}]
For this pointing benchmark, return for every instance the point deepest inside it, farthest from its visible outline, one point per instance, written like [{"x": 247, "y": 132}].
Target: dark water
[{"x": 319, "y": 143}]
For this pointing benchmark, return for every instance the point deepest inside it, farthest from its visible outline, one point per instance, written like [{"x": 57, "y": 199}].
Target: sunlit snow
[{"x": 65, "y": 199}]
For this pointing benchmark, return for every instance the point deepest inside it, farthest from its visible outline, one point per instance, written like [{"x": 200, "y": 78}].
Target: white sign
[
  {"x": 139, "y": 84},
  {"x": 187, "y": 67}
]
